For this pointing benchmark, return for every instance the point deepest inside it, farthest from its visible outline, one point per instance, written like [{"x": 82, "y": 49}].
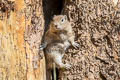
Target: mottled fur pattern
[{"x": 57, "y": 39}]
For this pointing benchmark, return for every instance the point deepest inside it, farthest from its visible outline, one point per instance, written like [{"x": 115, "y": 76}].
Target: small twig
[{"x": 54, "y": 71}]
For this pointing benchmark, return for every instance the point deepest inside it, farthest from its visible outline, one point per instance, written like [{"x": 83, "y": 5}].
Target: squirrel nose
[{"x": 56, "y": 26}]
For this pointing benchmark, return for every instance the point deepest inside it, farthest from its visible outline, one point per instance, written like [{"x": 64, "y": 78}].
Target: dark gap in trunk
[{"x": 51, "y": 8}]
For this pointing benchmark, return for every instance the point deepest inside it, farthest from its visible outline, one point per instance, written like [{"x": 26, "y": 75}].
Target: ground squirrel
[{"x": 56, "y": 40}]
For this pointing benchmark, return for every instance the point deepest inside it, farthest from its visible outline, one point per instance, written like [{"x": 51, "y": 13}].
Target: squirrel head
[{"x": 59, "y": 22}]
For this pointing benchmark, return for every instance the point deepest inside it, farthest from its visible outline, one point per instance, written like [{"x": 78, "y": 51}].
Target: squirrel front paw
[
  {"x": 42, "y": 46},
  {"x": 75, "y": 45},
  {"x": 67, "y": 66}
]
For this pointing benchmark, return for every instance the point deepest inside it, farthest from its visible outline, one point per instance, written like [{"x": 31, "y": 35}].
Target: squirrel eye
[{"x": 62, "y": 20}]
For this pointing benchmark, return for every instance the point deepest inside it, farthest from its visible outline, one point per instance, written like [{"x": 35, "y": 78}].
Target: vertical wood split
[{"x": 17, "y": 57}]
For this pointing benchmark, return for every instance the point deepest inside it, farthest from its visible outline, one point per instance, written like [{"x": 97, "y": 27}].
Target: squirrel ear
[
  {"x": 65, "y": 17},
  {"x": 54, "y": 15}
]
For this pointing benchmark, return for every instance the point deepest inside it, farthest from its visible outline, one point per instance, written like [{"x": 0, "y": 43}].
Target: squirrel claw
[{"x": 75, "y": 45}]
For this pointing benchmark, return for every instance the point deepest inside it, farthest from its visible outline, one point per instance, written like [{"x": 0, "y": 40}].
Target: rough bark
[
  {"x": 21, "y": 29},
  {"x": 96, "y": 24}
]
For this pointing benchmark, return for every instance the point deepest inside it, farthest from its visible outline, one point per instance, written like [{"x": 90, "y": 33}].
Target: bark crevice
[{"x": 51, "y": 8}]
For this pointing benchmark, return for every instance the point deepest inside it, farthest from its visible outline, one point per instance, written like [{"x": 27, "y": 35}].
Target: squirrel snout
[{"x": 56, "y": 26}]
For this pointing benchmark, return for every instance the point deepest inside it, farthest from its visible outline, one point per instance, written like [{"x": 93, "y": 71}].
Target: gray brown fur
[{"x": 57, "y": 39}]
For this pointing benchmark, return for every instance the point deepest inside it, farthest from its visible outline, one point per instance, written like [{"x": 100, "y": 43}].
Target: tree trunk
[
  {"x": 21, "y": 30},
  {"x": 96, "y": 24}
]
